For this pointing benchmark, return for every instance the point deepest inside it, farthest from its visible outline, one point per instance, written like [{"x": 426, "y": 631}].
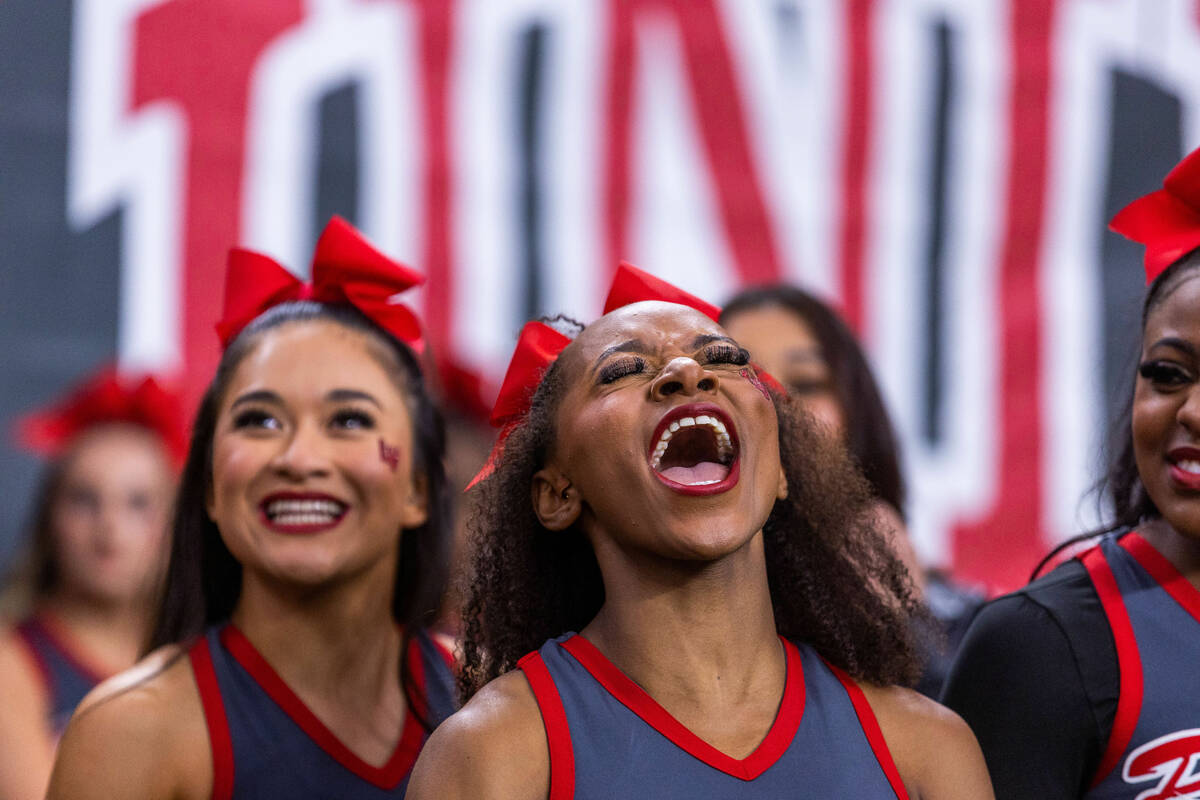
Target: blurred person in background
[
  {"x": 804, "y": 344},
  {"x": 308, "y": 558},
  {"x": 1086, "y": 683},
  {"x": 97, "y": 555}
]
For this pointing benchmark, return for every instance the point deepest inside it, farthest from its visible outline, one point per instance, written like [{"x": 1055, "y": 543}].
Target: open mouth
[
  {"x": 302, "y": 513},
  {"x": 695, "y": 449}
]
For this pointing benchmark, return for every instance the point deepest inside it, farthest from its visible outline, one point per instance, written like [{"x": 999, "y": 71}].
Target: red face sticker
[
  {"x": 753, "y": 378},
  {"x": 389, "y": 455}
]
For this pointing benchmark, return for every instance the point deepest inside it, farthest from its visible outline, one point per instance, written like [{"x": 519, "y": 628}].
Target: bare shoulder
[
  {"x": 26, "y": 735},
  {"x": 140, "y": 734},
  {"x": 495, "y": 747},
  {"x": 934, "y": 749}
]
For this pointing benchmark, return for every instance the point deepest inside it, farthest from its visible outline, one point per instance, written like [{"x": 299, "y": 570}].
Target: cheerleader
[
  {"x": 685, "y": 580},
  {"x": 1084, "y": 684},
  {"x": 99, "y": 542},
  {"x": 309, "y": 553}
]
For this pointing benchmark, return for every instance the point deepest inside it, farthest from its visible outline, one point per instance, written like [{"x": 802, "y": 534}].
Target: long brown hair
[{"x": 204, "y": 579}]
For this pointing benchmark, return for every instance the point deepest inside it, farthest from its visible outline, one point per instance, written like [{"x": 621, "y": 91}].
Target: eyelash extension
[
  {"x": 1163, "y": 372},
  {"x": 251, "y": 418},
  {"x": 613, "y": 371},
  {"x": 365, "y": 421},
  {"x": 727, "y": 354}
]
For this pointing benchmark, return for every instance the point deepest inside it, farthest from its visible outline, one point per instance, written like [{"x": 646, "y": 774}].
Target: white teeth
[
  {"x": 724, "y": 441},
  {"x": 291, "y": 520},
  {"x": 304, "y": 512},
  {"x": 1189, "y": 466}
]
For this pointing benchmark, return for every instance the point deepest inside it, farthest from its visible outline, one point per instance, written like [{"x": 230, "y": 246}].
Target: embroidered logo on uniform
[{"x": 1174, "y": 759}]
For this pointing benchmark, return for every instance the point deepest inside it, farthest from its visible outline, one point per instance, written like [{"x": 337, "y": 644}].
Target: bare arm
[
  {"x": 26, "y": 741},
  {"x": 137, "y": 736},
  {"x": 934, "y": 750},
  {"x": 495, "y": 747}
]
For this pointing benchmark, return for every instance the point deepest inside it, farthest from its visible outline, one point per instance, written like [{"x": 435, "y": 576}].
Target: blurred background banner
[{"x": 941, "y": 170}]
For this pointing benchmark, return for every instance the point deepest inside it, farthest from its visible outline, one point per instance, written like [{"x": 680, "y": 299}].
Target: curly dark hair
[
  {"x": 1121, "y": 485},
  {"x": 204, "y": 580},
  {"x": 833, "y": 579}
]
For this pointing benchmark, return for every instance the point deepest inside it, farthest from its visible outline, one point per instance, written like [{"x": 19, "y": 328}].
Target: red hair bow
[
  {"x": 1166, "y": 221},
  {"x": 537, "y": 347},
  {"x": 346, "y": 268},
  {"x": 632, "y": 285},
  {"x": 107, "y": 398}
]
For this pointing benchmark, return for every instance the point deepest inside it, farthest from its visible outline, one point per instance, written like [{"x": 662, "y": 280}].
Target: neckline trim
[
  {"x": 1164, "y": 573},
  {"x": 779, "y": 737},
  {"x": 386, "y": 777}
]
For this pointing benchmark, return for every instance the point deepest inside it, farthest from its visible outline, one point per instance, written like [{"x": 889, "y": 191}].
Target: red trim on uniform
[
  {"x": 1164, "y": 572},
  {"x": 445, "y": 652},
  {"x": 214, "y": 719},
  {"x": 554, "y": 719},
  {"x": 634, "y": 697},
  {"x": 1129, "y": 663},
  {"x": 416, "y": 668},
  {"x": 870, "y": 726},
  {"x": 386, "y": 777},
  {"x": 67, "y": 647},
  {"x": 25, "y": 635}
]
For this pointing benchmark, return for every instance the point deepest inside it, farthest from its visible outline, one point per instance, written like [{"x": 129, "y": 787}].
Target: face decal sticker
[
  {"x": 753, "y": 378},
  {"x": 389, "y": 455}
]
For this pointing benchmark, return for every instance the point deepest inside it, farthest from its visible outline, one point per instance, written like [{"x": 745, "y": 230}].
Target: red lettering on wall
[
  {"x": 717, "y": 102},
  {"x": 200, "y": 53},
  {"x": 986, "y": 549}
]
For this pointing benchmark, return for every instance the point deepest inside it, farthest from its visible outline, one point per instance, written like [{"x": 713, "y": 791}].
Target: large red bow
[
  {"x": 107, "y": 398},
  {"x": 633, "y": 285},
  {"x": 537, "y": 347},
  {"x": 1166, "y": 221},
  {"x": 346, "y": 268}
]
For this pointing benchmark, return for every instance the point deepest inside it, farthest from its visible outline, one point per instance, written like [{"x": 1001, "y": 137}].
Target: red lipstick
[{"x": 1187, "y": 479}]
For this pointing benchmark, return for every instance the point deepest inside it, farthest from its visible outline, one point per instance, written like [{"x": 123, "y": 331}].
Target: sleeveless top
[
  {"x": 1154, "y": 612},
  {"x": 66, "y": 678},
  {"x": 267, "y": 743},
  {"x": 608, "y": 738}
]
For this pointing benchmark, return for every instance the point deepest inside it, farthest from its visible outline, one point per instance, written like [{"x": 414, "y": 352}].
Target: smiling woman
[
  {"x": 99, "y": 547},
  {"x": 739, "y": 619},
  {"x": 1084, "y": 683},
  {"x": 310, "y": 546}
]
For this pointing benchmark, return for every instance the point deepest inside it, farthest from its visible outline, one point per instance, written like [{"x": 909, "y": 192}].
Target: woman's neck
[
  {"x": 108, "y": 636},
  {"x": 694, "y": 629},
  {"x": 341, "y": 637}
]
